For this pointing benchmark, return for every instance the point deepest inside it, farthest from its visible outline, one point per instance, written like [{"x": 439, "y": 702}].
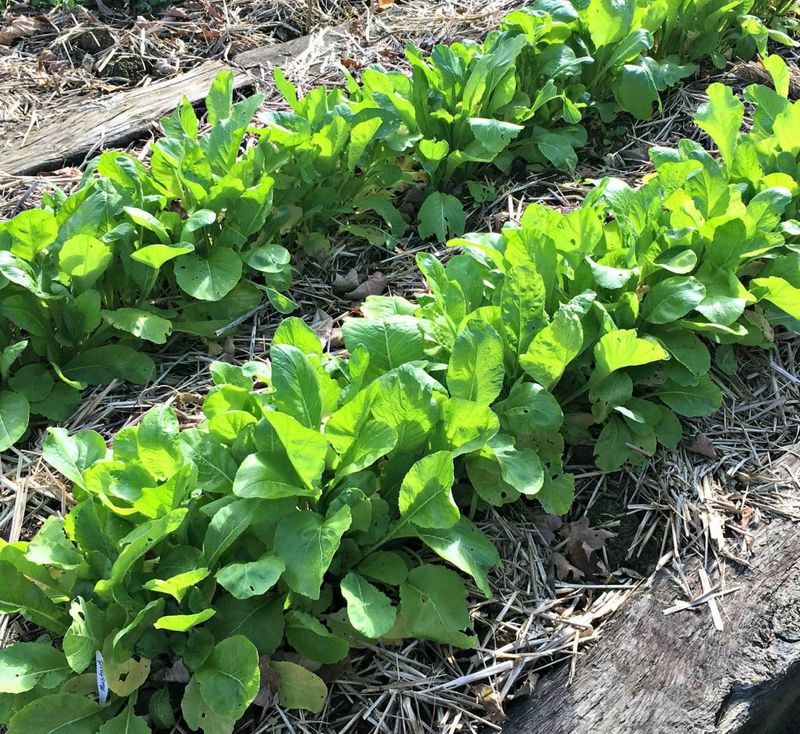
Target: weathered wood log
[
  {"x": 127, "y": 115},
  {"x": 652, "y": 673}
]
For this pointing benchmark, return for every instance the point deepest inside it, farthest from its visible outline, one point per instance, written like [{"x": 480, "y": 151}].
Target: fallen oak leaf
[
  {"x": 702, "y": 445},
  {"x": 346, "y": 282},
  {"x": 375, "y": 285}
]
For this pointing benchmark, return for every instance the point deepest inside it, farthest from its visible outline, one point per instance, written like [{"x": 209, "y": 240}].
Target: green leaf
[
  {"x": 85, "y": 635},
  {"x": 155, "y": 256},
  {"x": 32, "y": 231},
  {"x": 101, "y": 365},
  {"x": 225, "y": 527},
  {"x": 254, "y": 578},
  {"x": 183, "y": 622},
  {"x": 691, "y": 401},
  {"x": 529, "y": 409},
  {"x": 14, "y": 416},
  {"x": 521, "y": 468},
  {"x": 142, "y": 324},
  {"x": 50, "y": 547},
  {"x": 553, "y": 348},
  {"x": 672, "y": 298},
  {"x": 779, "y": 292},
  {"x": 475, "y": 371},
  {"x": 426, "y": 499},
  {"x": 298, "y": 391},
  {"x": 465, "y": 426},
  {"x": 387, "y": 567},
  {"x": 136, "y": 544},
  {"x": 18, "y": 595},
  {"x": 72, "y": 455},
  {"x": 313, "y": 640},
  {"x": 687, "y": 349},
  {"x": 259, "y": 618},
  {"x": 147, "y": 221},
  {"x": 306, "y": 542},
  {"x": 390, "y": 342},
  {"x": 59, "y": 713},
  {"x": 220, "y": 98},
  {"x": 178, "y": 585},
  {"x": 441, "y": 215},
  {"x": 199, "y": 715},
  {"x": 721, "y": 117},
  {"x": 125, "y": 723},
  {"x": 466, "y": 547},
  {"x": 230, "y": 678},
  {"x": 84, "y": 259},
  {"x": 622, "y": 348},
  {"x": 209, "y": 278},
  {"x": 369, "y": 610},
  {"x": 299, "y": 688},
  {"x": 433, "y": 606},
  {"x": 608, "y": 20},
  {"x": 26, "y": 665}
]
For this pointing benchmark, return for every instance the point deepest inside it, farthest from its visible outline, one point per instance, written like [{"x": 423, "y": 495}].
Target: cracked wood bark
[
  {"x": 119, "y": 118},
  {"x": 675, "y": 674}
]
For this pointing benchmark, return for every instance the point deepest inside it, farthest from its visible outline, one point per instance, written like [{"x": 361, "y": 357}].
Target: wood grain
[
  {"x": 676, "y": 674},
  {"x": 118, "y": 118}
]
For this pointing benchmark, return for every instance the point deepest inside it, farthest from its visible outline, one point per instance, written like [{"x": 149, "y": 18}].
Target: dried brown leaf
[
  {"x": 346, "y": 282},
  {"x": 702, "y": 445},
  {"x": 372, "y": 286},
  {"x": 21, "y": 27}
]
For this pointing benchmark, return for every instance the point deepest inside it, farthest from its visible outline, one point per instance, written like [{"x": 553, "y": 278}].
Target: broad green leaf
[
  {"x": 608, "y": 20},
  {"x": 220, "y": 98},
  {"x": 687, "y": 349},
  {"x": 313, "y": 640},
  {"x": 295, "y": 332},
  {"x": 25, "y": 665},
  {"x": 267, "y": 475},
  {"x": 85, "y": 635},
  {"x": 433, "y": 606},
  {"x": 126, "y": 722},
  {"x": 779, "y": 292},
  {"x": 475, "y": 371},
  {"x": 178, "y": 585},
  {"x": 298, "y": 391},
  {"x": 299, "y": 688},
  {"x": 721, "y": 117},
  {"x": 155, "y": 256},
  {"x": 230, "y": 678},
  {"x": 209, "y": 278},
  {"x": 84, "y": 259},
  {"x": 142, "y": 324},
  {"x": 59, "y": 713},
  {"x": 426, "y": 499},
  {"x": 622, "y": 348},
  {"x": 388, "y": 567},
  {"x": 557, "y": 494},
  {"x": 306, "y": 542},
  {"x": 136, "y": 544},
  {"x": 254, "y": 578},
  {"x": 672, "y": 298},
  {"x": 691, "y": 401},
  {"x": 369, "y": 610},
  {"x": 405, "y": 401},
  {"x": 441, "y": 216},
  {"x": 147, "y": 221},
  {"x": 391, "y": 342},
  {"x": 466, "y": 547},
  {"x": 465, "y": 426},
  {"x": 199, "y": 715},
  {"x": 183, "y": 622},
  {"x": 553, "y": 348},
  {"x": 259, "y": 618},
  {"x": 118, "y": 648},
  {"x": 18, "y": 595},
  {"x": 101, "y": 365},
  {"x": 521, "y": 468},
  {"x": 72, "y": 455},
  {"x": 14, "y": 415},
  {"x": 32, "y": 231},
  {"x": 225, "y": 527},
  {"x": 529, "y": 409},
  {"x": 522, "y": 304}
]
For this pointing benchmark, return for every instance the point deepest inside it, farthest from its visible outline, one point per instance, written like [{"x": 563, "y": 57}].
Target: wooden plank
[
  {"x": 121, "y": 117},
  {"x": 652, "y": 673}
]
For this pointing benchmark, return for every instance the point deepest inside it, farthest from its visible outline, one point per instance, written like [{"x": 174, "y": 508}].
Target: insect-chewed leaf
[
  {"x": 299, "y": 688},
  {"x": 229, "y": 680},
  {"x": 58, "y": 713}
]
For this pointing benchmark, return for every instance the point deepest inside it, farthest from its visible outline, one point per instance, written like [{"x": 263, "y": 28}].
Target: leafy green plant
[{"x": 300, "y": 517}]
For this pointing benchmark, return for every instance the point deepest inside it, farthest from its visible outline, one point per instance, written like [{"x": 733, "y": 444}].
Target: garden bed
[{"x": 551, "y": 595}]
